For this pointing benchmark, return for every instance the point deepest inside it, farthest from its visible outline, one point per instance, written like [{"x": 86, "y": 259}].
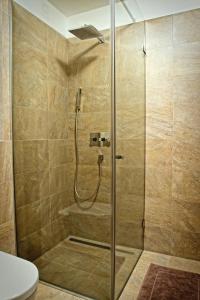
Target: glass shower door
[
  {"x": 61, "y": 110},
  {"x": 130, "y": 143}
]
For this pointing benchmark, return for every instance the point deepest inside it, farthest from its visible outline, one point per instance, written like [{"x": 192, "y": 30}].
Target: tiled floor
[
  {"x": 133, "y": 286},
  {"x": 85, "y": 269}
]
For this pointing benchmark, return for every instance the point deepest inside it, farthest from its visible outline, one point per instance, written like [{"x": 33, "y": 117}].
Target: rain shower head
[{"x": 87, "y": 32}]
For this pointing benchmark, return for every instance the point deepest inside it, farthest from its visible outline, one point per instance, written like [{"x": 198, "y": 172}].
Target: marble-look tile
[
  {"x": 31, "y": 186},
  {"x": 130, "y": 95},
  {"x": 134, "y": 183},
  {"x": 58, "y": 179},
  {"x": 5, "y": 117},
  {"x": 186, "y": 184},
  {"x": 6, "y": 202},
  {"x": 159, "y": 211},
  {"x": 159, "y": 63},
  {"x": 7, "y": 237},
  {"x": 57, "y": 45},
  {"x": 85, "y": 269},
  {"x": 87, "y": 155},
  {"x": 31, "y": 63},
  {"x": 5, "y": 161},
  {"x": 89, "y": 70},
  {"x": 130, "y": 208},
  {"x": 95, "y": 122},
  {"x": 186, "y": 215},
  {"x": 30, "y": 22},
  {"x": 32, "y": 217},
  {"x": 159, "y": 152},
  {"x": 93, "y": 99},
  {"x": 157, "y": 238},
  {"x": 30, "y": 156},
  {"x": 7, "y": 230},
  {"x": 186, "y": 91},
  {"x": 159, "y": 32},
  {"x": 57, "y": 71},
  {"x": 186, "y": 27},
  {"x": 186, "y": 121},
  {"x": 57, "y": 97},
  {"x": 57, "y": 125},
  {"x": 30, "y": 72},
  {"x": 186, "y": 155},
  {"x": 47, "y": 238},
  {"x": 5, "y": 6},
  {"x": 187, "y": 265},
  {"x": 130, "y": 66},
  {"x": 159, "y": 181},
  {"x": 130, "y": 36},
  {"x": 58, "y": 152},
  {"x": 58, "y": 202},
  {"x": 57, "y": 58},
  {"x": 60, "y": 228},
  {"x": 159, "y": 107},
  {"x": 86, "y": 249},
  {"x": 88, "y": 178},
  {"x": 30, "y": 124},
  {"x": 129, "y": 234},
  {"x": 29, "y": 89},
  {"x": 186, "y": 244},
  {"x": 130, "y": 125},
  {"x": 29, "y": 247},
  {"x": 5, "y": 99},
  {"x": 186, "y": 61},
  {"x": 26, "y": 37},
  {"x": 45, "y": 292},
  {"x": 159, "y": 103},
  {"x": 81, "y": 226}
]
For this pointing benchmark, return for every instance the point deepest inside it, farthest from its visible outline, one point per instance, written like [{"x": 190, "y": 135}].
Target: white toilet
[{"x": 18, "y": 277}]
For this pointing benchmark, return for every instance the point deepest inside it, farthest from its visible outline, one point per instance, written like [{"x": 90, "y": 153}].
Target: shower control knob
[{"x": 118, "y": 156}]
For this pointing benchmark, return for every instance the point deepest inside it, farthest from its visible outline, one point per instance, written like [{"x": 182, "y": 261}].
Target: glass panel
[
  {"x": 61, "y": 96},
  {"x": 130, "y": 141}
]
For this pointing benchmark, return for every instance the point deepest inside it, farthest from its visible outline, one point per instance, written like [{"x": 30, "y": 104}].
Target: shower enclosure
[{"x": 79, "y": 141}]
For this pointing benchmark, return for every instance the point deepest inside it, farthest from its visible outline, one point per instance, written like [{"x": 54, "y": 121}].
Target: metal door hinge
[
  {"x": 144, "y": 50},
  {"x": 143, "y": 223}
]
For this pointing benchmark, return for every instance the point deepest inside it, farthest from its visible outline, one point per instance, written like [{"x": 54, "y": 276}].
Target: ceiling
[
  {"x": 148, "y": 8},
  {"x": 157, "y": 8},
  {"x": 74, "y": 7}
]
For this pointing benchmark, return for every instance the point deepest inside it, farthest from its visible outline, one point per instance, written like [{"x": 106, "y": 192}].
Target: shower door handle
[{"x": 118, "y": 156}]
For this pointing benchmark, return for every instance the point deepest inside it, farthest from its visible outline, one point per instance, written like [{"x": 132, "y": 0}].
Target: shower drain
[{"x": 89, "y": 243}]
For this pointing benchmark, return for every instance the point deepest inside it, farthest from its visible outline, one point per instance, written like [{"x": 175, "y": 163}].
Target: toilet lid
[{"x": 18, "y": 277}]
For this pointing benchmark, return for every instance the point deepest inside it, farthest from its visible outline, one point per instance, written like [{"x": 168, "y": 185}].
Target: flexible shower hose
[{"x": 79, "y": 200}]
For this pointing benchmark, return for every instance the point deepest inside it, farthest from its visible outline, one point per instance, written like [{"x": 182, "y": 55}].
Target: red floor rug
[{"x": 162, "y": 283}]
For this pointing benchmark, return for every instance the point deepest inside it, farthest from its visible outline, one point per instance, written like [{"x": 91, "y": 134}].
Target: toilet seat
[{"x": 18, "y": 277}]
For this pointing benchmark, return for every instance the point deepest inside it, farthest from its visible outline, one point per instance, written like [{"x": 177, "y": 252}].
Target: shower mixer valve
[{"x": 99, "y": 139}]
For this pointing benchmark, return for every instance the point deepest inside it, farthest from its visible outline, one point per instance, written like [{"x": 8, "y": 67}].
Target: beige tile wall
[
  {"x": 7, "y": 230},
  {"x": 40, "y": 133},
  {"x": 45, "y": 177},
  {"x": 173, "y": 140}
]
